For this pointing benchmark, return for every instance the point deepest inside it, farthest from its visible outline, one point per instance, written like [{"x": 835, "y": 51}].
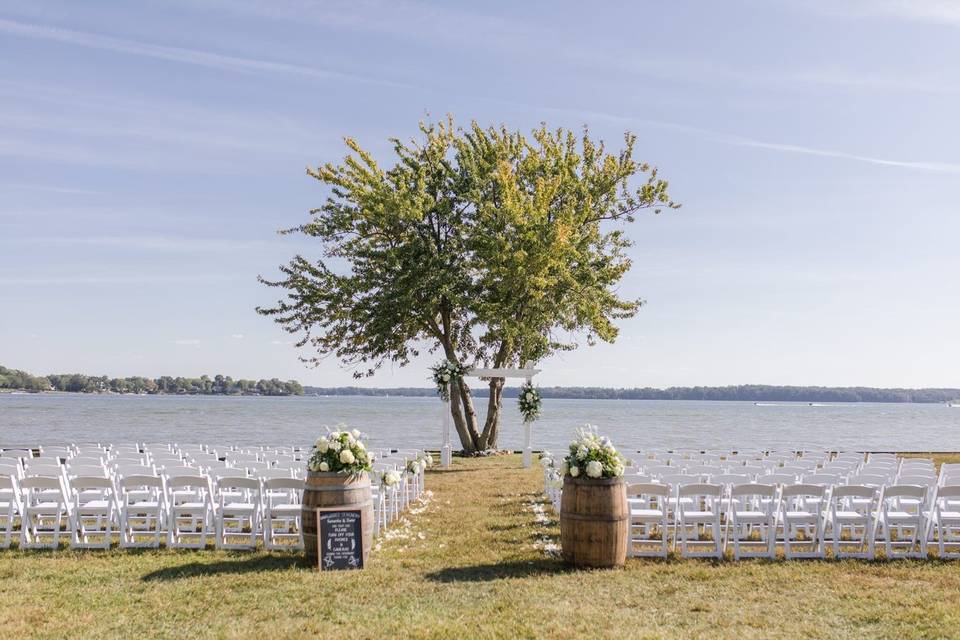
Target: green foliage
[
  {"x": 483, "y": 241},
  {"x": 487, "y": 244},
  {"x": 204, "y": 385}
]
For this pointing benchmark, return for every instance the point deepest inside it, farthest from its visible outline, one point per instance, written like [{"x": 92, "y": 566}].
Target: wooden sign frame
[{"x": 360, "y": 518}]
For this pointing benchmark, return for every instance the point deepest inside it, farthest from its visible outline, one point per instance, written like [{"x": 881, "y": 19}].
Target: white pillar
[
  {"x": 527, "y": 445},
  {"x": 527, "y": 448},
  {"x": 446, "y": 451}
]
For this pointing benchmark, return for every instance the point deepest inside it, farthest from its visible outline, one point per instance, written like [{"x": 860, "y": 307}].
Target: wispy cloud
[
  {"x": 182, "y": 55},
  {"x": 73, "y": 191},
  {"x": 781, "y": 147},
  {"x": 945, "y": 12},
  {"x": 14, "y": 279},
  {"x": 161, "y": 243}
]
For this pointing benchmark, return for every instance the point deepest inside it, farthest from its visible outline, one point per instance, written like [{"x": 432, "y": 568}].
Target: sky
[{"x": 149, "y": 152}]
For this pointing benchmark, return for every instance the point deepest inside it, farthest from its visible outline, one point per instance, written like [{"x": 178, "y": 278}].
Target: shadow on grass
[
  {"x": 225, "y": 567},
  {"x": 499, "y": 571}
]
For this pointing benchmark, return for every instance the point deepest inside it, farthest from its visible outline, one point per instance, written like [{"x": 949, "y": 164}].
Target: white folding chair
[
  {"x": 8, "y": 509},
  {"x": 281, "y": 513},
  {"x": 945, "y": 521},
  {"x": 93, "y": 514},
  {"x": 902, "y": 522},
  {"x": 801, "y": 517},
  {"x": 752, "y": 512},
  {"x": 142, "y": 510},
  {"x": 698, "y": 513},
  {"x": 44, "y": 512},
  {"x": 853, "y": 513},
  {"x": 648, "y": 519},
  {"x": 237, "y": 515},
  {"x": 190, "y": 509}
]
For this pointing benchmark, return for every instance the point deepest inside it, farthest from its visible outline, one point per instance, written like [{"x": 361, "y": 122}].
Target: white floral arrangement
[
  {"x": 390, "y": 478},
  {"x": 340, "y": 451},
  {"x": 546, "y": 460},
  {"x": 592, "y": 456},
  {"x": 554, "y": 479},
  {"x": 529, "y": 401},
  {"x": 416, "y": 465},
  {"x": 444, "y": 373}
]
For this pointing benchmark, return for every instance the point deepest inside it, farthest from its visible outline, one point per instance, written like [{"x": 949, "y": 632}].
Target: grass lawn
[{"x": 468, "y": 565}]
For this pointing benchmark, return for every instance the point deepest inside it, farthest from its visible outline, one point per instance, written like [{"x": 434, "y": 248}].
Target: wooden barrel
[
  {"x": 335, "y": 490},
  {"x": 594, "y": 522}
]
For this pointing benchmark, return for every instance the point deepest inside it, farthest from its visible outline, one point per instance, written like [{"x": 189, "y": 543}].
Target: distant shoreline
[{"x": 759, "y": 394}]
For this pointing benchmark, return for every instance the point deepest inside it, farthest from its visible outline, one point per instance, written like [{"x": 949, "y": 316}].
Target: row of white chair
[
  {"x": 168, "y": 500},
  {"x": 708, "y": 519}
]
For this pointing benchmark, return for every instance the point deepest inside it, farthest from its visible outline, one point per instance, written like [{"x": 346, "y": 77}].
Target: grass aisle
[{"x": 469, "y": 563}]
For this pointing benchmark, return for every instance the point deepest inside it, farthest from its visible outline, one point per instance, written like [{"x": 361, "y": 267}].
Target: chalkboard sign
[{"x": 339, "y": 538}]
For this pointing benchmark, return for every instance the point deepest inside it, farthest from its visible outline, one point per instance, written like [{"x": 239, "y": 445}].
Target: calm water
[{"x": 48, "y": 419}]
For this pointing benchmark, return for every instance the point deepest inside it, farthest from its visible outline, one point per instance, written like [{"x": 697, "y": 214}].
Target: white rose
[
  {"x": 428, "y": 459},
  {"x": 445, "y": 377},
  {"x": 574, "y": 471},
  {"x": 545, "y": 462},
  {"x": 335, "y": 446},
  {"x": 324, "y": 466},
  {"x": 594, "y": 469},
  {"x": 356, "y": 433},
  {"x": 323, "y": 445},
  {"x": 618, "y": 470},
  {"x": 582, "y": 452},
  {"x": 346, "y": 457},
  {"x": 529, "y": 396},
  {"x": 609, "y": 449},
  {"x": 360, "y": 445},
  {"x": 423, "y": 465}
]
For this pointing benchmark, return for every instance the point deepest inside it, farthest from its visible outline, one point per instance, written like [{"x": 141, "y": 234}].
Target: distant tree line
[
  {"x": 204, "y": 385},
  {"x": 748, "y": 393}
]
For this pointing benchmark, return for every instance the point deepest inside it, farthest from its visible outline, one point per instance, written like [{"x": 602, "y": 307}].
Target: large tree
[{"x": 484, "y": 244}]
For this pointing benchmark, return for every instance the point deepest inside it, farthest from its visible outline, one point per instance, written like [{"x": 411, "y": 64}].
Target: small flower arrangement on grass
[
  {"x": 592, "y": 456},
  {"x": 443, "y": 373},
  {"x": 529, "y": 401},
  {"x": 340, "y": 451}
]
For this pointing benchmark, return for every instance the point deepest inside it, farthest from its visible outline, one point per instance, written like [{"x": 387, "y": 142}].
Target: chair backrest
[
  {"x": 648, "y": 489},
  {"x": 40, "y": 482},
  {"x": 227, "y": 483},
  {"x": 920, "y": 480},
  {"x": 729, "y": 479},
  {"x": 904, "y": 491},
  {"x": 779, "y": 479},
  {"x": 803, "y": 491},
  {"x": 869, "y": 480},
  {"x": 277, "y": 484},
  {"x": 948, "y": 492},
  {"x": 188, "y": 482},
  {"x": 82, "y": 483},
  {"x": 825, "y": 479},
  {"x": 749, "y": 489},
  {"x": 134, "y": 481},
  {"x": 677, "y": 480},
  {"x": 853, "y": 491},
  {"x": 700, "y": 489}
]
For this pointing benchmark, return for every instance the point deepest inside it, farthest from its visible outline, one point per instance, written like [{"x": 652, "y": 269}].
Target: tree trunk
[
  {"x": 464, "y": 416},
  {"x": 491, "y": 428},
  {"x": 461, "y": 407}
]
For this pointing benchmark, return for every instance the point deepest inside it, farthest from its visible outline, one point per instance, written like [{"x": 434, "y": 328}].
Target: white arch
[{"x": 527, "y": 373}]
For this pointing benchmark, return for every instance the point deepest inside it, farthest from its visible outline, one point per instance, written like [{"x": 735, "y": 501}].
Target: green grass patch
[{"x": 471, "y": 564}]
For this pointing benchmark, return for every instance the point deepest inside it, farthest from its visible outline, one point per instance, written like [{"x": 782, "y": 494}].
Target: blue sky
[{"x": 149, "y": 151}]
